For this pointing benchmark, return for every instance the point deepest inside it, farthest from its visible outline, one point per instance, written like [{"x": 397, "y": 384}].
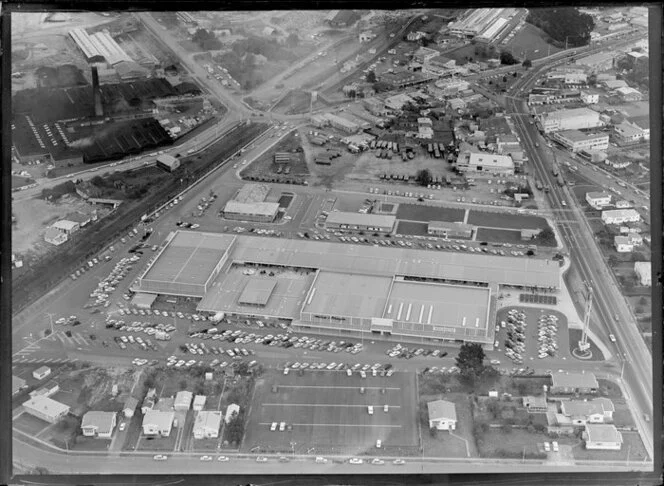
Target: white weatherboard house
[
  {"x": 643, "y": 270},
  {"x": 619, "y": 216},
  {"x": 442, "y": 415},
  {"x": 206, "y": 425},
  {"x": 98, "y": 424},
  {"x": 183, "y": 400},
  {"x": 156, "y": 422},
  {"x": 582, "y": 412},
  {"x": 602, "y": 437}
]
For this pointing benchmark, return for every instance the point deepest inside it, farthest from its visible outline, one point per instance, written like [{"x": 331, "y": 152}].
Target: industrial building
[
  {"x": 328, "y": 119},
  {"x": 99, "y": 46},
  {"x": 450, "y": 230},
  {"x": 628, "y": 132},
  {"x": 358, "y": 221},
  {"x": 262, "y": 212},
  {"x": 168, "y": 162},
  {"x": 486, "y": 23},
  {"x": 574, "y": 119},
  {"x": 485, "y": 162},
  {"x": 412, "y": 294},
  {"x": 576, "y": 140},
  {"x": 598, "y": 199},
  {"x": 602, "y": 61},
  {"x": 619, "y": 216},
  {"x": 46, "y": 408}
]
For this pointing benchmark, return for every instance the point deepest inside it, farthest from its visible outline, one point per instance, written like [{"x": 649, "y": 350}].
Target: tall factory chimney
[{"x": 96, "y": 93}]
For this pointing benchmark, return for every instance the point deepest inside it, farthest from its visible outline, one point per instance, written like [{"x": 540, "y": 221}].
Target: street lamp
[{"x": 292, "y": 444}]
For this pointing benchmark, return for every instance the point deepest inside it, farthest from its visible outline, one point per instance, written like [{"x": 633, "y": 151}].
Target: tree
[
  {"x": 470, "y": 361},
  {"x": 613, "y": 260},
  {"x": 371, "y": 77},
  {"x": 183, "y": 384},
  {"x": 546, "y": 237},
  {"x": 527, "y": 63},
  {"x": 507, "y": 58},
  {"x": 47, "y": 332},
  {"x": 424, "y": 177},
  {"x": 235, "y": 427},
  {"x": 643, "y": 301},
  {"x": 381, "y": 86},
  {"x": 68, "y": 333}
]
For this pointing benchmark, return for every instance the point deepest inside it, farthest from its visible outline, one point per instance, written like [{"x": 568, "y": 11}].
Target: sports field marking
[
  {"x": 339, "y": 425},
  {"x": 341, "y": 387},
  {"x": 324, "y": 405}
]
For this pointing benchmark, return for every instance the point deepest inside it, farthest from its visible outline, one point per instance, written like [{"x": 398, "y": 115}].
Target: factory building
[
  {"x": 573, "y": 119},
  {"x": 576, "y": 140},
  {"x": 360, "y": 222},
  {"x": 485, "y": 162}
]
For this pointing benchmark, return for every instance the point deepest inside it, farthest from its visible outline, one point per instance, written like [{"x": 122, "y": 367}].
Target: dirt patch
[{"x": 265, "y": 169}]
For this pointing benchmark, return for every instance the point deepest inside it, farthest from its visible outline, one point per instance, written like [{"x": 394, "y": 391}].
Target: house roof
[
  {"x": 531, "y": 401},
  {"x": 65, "y": 225},
  {"x": 585, "y": 408},
  {"x": 158, "y": 419},
  {"x": 574, "y": 380},
  {"x": 258, "y": 291},
  {"x": 165, "y": 404},
  {"x": 442, "y": 410},
  {"x": 603, "y": 433},
  {"x": 621, "y": 240},
  {"x": 233, "y": 407},
  {"x": 78, "y": 217},
  {"x": 208, "y": 420},
  {"x": 54, "y": 234},
  {"x": 200, "y": 400},
  {"x": 257, "y": 208},
  {"x": 101, "y": 421},
  {"x": 183, "y": 398},
  {"x": 42, "y": 369},
  {"x": 46, "y": 406},
  {"x": 490, "y": 160},
  {"x": 618, "y": 213},
  {"x": 598, "y": 195}
]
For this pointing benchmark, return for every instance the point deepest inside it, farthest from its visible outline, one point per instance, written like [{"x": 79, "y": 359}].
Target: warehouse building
[
  {"x": 450, "y": 230},
  {"x": 262, "y": 212},
  {"x": 46, "y": 408},
  {"x": 573, "y": 119},
  {"x": 619, "y": 216},
  {"x": 576, "y": 140},
  {"x": 358, "y": 221},
  {"x": 601, "y": 61},
  {"x": 413, "y": 294},
  {"x": 598, "y": 199},
  {"x": 485, "y": 162},
  {"x": 168, "y": 162}
]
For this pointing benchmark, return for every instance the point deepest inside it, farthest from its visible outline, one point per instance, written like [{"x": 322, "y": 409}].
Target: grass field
[
  {"x": 412, "y": 228},
  {"x": 30, "y": 424},
  {"x": 329, "y": 414},
  {"x": 515, "y": 442},
  {"x": 416, "y": 212},
  {"x": 506, "y": 221},
  {"x": 498, "y": 235},
  {"x": 530, "y": 43}
]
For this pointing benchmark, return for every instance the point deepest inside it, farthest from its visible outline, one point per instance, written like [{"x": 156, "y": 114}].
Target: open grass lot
[
  {"x": 204, "y": 445},
  {"x": 575, "y": 337},
  {"x": 158, "y": 443},
  {"x": 412, "y": 228},
  {"x": 498, "y": 235},
  {"x": 329, "y": 414},
  {"x": 294, "y": 102},
  {"x": 503, "y": 220},
  {"x": 30, "y": 424},
  {"x": 622, "y": 416},
  {"x": 90, "y": 444},
  {"x": 632, "y": 445},
  {"x": 530, "y": 43},
  {"x": 422, "y": 213},
  {"x": 459, "y": 443},
  {"x": 21, "y": 181},
  {"x": 514, "y": 442}
]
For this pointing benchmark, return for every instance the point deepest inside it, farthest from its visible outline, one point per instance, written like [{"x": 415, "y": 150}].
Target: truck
[
  {"x": 217, "y": 317},
  {"x": 436, "y": 152},
  {"x": 430, "y": 148},
  {"x": 538, "y": 185},
  {"x": 560, "y": 180}
]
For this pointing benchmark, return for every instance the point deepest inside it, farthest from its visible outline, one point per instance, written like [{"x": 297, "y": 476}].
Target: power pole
[{"x": 583, "y": 343}]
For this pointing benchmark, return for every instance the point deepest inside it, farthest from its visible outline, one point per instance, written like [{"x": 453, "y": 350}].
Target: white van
[
  {"x": 370, "y": 409},
  {"x": 273, "y": 427}
]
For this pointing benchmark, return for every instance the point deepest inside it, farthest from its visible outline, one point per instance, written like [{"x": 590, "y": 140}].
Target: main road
[{"x": 609, "y": 304}]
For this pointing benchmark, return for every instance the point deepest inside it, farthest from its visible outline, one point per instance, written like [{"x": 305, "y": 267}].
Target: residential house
[
  {"x": 230, "y": 410},
  {"x": 635, "y": 239},
  {"x": 567, "y": 383},
  {"x": 367, "y": 36},
  {"x": 415, "y": 36},
  {"x": 183, "y": 400},
  {"x": 602, "y": 437},
  {"x": 98, "y": 424},
  {"x": 55, "y": 237},
  {"x": 46, "y": 408},
  {"x": 66, "y": 226},
  {"x": 582, "y": 412},
  {"x": 623, "y": 204},
  {"x": 619, "y": 216},
  {"x": 149, "y": 401},
  {"x": 442, "y": 415},
  {"x": 425, "y": 132},
  {"x": 156, "y": 422},
  {"x": 644, "y": 271},
  {"x": 199, "y": 402},
  {"x": 207, "y": 424},
  {"x": 80, "y": 218},
  {"x": 398, "y": 101},
  {"x": 41, "y": 372},
  {"x": 622, "y": 244},
  {"x": 629, "y": 94},
  {"x": 130, "y": 407},
  {"x": 535, "y": 404},
  {"x": 643, "y": 122},
  {"x": 424, "y": 55}
]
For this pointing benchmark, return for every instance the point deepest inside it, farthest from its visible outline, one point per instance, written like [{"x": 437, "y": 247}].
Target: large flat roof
[
  {"x": 188, "y": 259},
  {"x": 351, "y": 218},
  {"x": 258, "y": 291},
  {"x": 370, "y": 260},
  {"x": 252, "y": 208},
  {"x": 436, "y": 304},
  {"x": 346, "y": 294}
]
